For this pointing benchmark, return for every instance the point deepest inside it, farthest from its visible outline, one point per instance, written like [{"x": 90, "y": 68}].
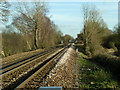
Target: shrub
[
  {"x": 108, "y": 63},
  {"x": 79, "y": 47}
]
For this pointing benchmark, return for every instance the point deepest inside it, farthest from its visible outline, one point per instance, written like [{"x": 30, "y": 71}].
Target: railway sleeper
[
  {"x": 45, "y": 71},
  {"x": 42, "y": 75}
]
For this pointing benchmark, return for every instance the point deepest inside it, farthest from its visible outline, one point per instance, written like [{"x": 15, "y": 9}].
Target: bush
[
  {"x": 117, "y": 44},
  {"x": 12, "y": 43},
  {"x": 79, "y": 47},
  {"x": 112, "y": 41},
  {"x": 112, "y": 45},
  {"x": 97, "y": 49},
  {"x": 108, "y": 63}
]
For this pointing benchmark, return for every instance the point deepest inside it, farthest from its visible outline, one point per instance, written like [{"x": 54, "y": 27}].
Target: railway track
[
  {"x": 12, "y": 65},
  {"x": 18, "y": 75}
]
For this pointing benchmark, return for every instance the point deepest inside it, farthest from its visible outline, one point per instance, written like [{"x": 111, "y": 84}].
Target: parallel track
[
  {"x": 33, "y": 82},
  {"x": 12, "y": 65},
  {"x": 21, "y": 73}
]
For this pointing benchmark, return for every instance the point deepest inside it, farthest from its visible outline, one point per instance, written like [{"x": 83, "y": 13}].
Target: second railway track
[
  {"x": 12, "y": 79},
  {"x": 12, "y": 65}
]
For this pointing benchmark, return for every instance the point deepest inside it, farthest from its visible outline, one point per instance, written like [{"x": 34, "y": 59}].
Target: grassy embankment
[
  {"x": 92, "y": 76},
  {"x": 98, "y": 72}
]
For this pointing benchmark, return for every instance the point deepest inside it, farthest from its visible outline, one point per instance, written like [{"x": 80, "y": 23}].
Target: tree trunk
[
  {"x": 27, "y": 41},
  {"x": 86, "y": 47},
  {"x": 35, "y": 39},
  {"x": 29, "y": 46}
]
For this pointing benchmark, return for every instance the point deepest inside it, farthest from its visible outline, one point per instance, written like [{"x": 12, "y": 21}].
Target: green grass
[
  {"x": 109, "y": 63},
  {"x": 92, "y": 76},
  {"x": 83, "y": 55}
]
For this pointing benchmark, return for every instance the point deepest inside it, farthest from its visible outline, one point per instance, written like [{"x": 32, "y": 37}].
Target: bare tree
[
  {"x": 4, "y": 13},
  {"x": 31, "y": 20},
  {"x": 94, "y": 29},
  {"x": 85, "y": 16},
  {"x": 35, "y": 25},
  {"x": 4, "y": 10}
]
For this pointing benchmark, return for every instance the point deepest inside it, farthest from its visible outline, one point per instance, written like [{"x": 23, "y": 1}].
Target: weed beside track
[{"x": 92, "y": 76}]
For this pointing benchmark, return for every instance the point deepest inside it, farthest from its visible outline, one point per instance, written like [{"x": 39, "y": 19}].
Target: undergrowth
[{"x": 93, "y": 76}]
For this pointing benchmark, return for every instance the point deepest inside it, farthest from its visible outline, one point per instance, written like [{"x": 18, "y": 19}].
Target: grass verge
[
  {"x": 92, "y": 76},
  {"x": 110, "y": 64}
]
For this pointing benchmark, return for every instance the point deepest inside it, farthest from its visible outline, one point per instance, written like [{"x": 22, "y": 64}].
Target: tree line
[
  {"x": 31, "y": 29},
  {"x": 96, "y": 35}
]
